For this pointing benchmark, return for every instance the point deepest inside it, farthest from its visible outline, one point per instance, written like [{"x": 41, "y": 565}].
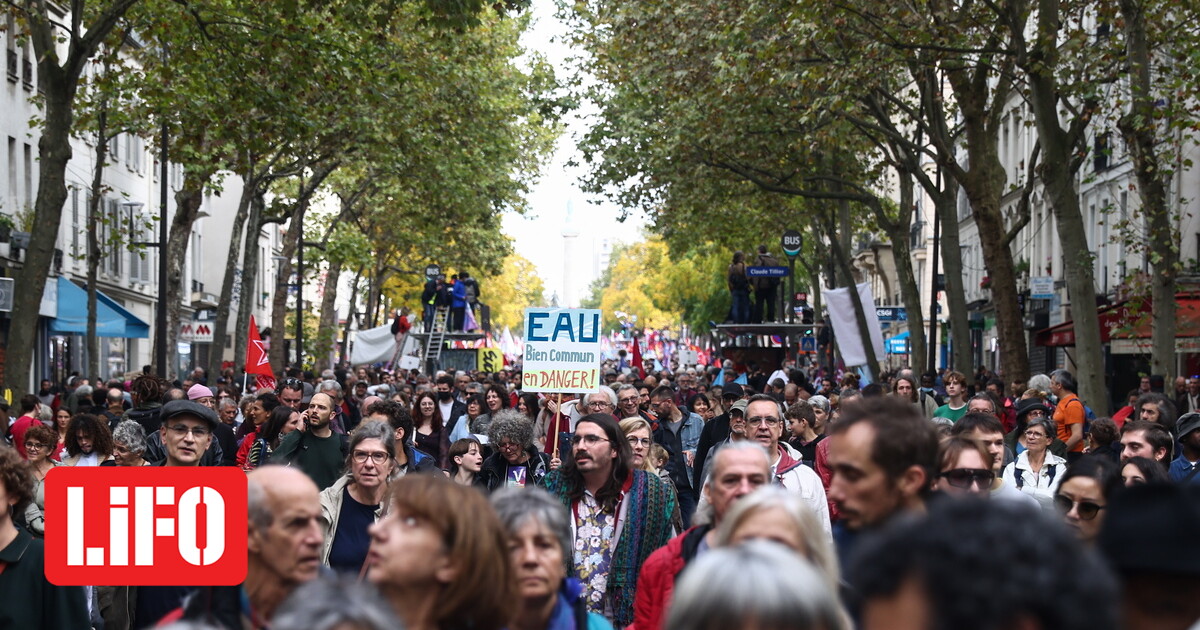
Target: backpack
[
  {"x": 1088, "y": 417},
  {"x": 767, "y": 260},
  {"x": 738, "y": 280}
]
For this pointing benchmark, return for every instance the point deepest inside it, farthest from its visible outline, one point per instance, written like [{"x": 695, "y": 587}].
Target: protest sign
[{"x": 562, "y": 350}]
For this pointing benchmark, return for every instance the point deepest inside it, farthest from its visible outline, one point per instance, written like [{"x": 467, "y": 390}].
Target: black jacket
[{"x": 495, "y": 469}]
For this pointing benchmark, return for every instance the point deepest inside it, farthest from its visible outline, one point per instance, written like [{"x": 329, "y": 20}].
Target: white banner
[
  {"x": 562, "y": 350},
  {"x": 845, "y": 326},
  {"x": 373, "y": 345}
]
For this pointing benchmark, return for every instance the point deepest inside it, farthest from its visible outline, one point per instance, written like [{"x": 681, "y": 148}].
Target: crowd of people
[{"x": 676, "y": 500}]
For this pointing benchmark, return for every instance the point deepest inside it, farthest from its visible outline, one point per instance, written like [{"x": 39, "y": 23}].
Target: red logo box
[{"x": 147, "y": 525}]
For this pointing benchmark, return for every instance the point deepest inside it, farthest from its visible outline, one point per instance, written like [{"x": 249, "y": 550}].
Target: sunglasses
[
  {"x": 1085, "y": 509},
  {"x": 964, "y": 477}
]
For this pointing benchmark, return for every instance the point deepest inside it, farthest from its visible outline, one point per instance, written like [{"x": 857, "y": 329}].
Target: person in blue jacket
[{"x": 458, "y": 302}]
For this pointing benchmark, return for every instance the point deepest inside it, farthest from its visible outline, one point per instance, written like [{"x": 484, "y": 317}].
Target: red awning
[{"x": 1128, "y": 320}]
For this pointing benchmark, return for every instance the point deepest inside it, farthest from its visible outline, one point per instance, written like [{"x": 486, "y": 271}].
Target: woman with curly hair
[
  {"x": 516, "y": 461},
  {"x": 89, "y": 441}
]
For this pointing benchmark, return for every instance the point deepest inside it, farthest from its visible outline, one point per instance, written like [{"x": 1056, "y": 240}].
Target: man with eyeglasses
[
  {"x": 318, "y": 451},
  {"x": 715, "y": 431},
  {"x": 186, "y": 432},
  {"x": 687, "y": 388},
  {"x": 620, "y": 515},
  {"x": 679, "y": 432},
  {"x": 629, "y": 404},
  {"x": 602, "y": 401},
  {"x": 764, "y": 424}
]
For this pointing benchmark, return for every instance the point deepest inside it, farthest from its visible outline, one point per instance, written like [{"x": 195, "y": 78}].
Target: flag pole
[{"x": 557, "y": 424}]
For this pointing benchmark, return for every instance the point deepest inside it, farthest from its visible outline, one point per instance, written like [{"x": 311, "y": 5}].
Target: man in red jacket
[{"x": 738, "y": 469}]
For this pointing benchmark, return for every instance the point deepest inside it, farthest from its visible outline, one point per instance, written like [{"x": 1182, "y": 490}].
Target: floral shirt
[{"x": 594, "y": 533}]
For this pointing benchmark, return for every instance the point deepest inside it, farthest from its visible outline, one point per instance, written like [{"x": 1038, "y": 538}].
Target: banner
[
  {"x": 845, "y": 326},
  {"x": 373, "y": 345},
  {"x": 257, "y": 359},
  {"x": 490, "y": 360},
  {"x": 562, "y": 350}
]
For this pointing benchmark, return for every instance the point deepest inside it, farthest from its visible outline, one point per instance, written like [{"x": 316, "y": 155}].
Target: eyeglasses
[
  {"x": 507, "y": 446},
  {"x": 1086, "y": 510},
  {"x": 589, "y": 440},
  {"x": 626, "y": 400},
  {"x": 767, "y": 420},
  {"x": 34, "y": 446},
  {"x": 1034, "y": 435},
  {"x": 377, "y": 457},
  {"x": 640, "y": 442},
  {"x": 964, "y": 477},
  {"x": 599, "y": 404},
  {"x": 181, "y": 430}
]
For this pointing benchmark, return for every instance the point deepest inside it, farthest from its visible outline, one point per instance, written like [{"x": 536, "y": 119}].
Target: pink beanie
[{"x": 199, "y": 391}]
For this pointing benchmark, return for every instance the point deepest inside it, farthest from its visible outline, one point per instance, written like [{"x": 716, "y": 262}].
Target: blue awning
[
  {"x": 897, "y": 344},
  {"x": 112, "y": 320}
]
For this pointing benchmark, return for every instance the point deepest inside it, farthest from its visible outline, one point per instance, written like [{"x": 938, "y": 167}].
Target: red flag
[
  {"x": 637, "y": 358},
  {"x": 257, "y": 361}
]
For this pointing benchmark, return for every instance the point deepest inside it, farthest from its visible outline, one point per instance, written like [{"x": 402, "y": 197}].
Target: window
[
  {"x": 29, "y": 176},
  {"x": 114, "y": 147},
  {"x": 12, "y": 166},
  {"x": 116, "y": 244},
  {"x": 1101, "y": 152},
  {"x": 76, "y": 229},
  {"x": 139, "y": 258}
]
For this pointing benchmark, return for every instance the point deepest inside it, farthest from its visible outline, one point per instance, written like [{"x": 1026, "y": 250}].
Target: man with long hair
[{"x": 619, "y": 515}]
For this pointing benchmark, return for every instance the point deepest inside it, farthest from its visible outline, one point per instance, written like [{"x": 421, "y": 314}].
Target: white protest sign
[{"x": 562, "y": 350}]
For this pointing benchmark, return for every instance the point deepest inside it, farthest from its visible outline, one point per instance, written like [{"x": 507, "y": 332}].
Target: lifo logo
[{"x": 148, "y": 525}]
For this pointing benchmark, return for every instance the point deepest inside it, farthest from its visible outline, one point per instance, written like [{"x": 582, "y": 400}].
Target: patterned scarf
[{"x": 647, "y": 527}]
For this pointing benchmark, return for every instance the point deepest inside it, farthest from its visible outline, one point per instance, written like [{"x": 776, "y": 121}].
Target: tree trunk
[
  {"x": 984, "y": 186},
  {"x": 1139, "y": 127},
  {"x": 250, "y": 262},
  {"x": 1062, "y": 149},
  {"x": 225, "y": 303},
  {"x": 860, "y": 313},
  {"x": 946, "y": 205},
  {"x": 910, "y": 294},
  {"x": 94, "y": 251},
  {"x": 291, "y": 239},
  {"x": 344, "y": 355},
  {"x": 328, "y": 329},
  {"x": 54, "y": 151},
  {"x": 179, "y": 240}
]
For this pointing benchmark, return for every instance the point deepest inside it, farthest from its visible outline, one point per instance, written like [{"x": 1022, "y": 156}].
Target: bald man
[
  {"x": 318, "y": 451},
  {"x": 283, "y": 551}
]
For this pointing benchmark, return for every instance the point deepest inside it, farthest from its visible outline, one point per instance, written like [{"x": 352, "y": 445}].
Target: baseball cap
[
  {"x": 188, "y": 408},
  {"x": 740, "y": 407},
  {"x": 732, "y": 389}
]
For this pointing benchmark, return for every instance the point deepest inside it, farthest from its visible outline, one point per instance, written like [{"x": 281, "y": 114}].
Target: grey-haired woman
[
  {"x": 356, "y": 500},
  {"x": 540, "y": 547}
]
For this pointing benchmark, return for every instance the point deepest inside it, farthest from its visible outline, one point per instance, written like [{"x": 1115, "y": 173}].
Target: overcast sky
[{"x": 538, "y": 235}]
